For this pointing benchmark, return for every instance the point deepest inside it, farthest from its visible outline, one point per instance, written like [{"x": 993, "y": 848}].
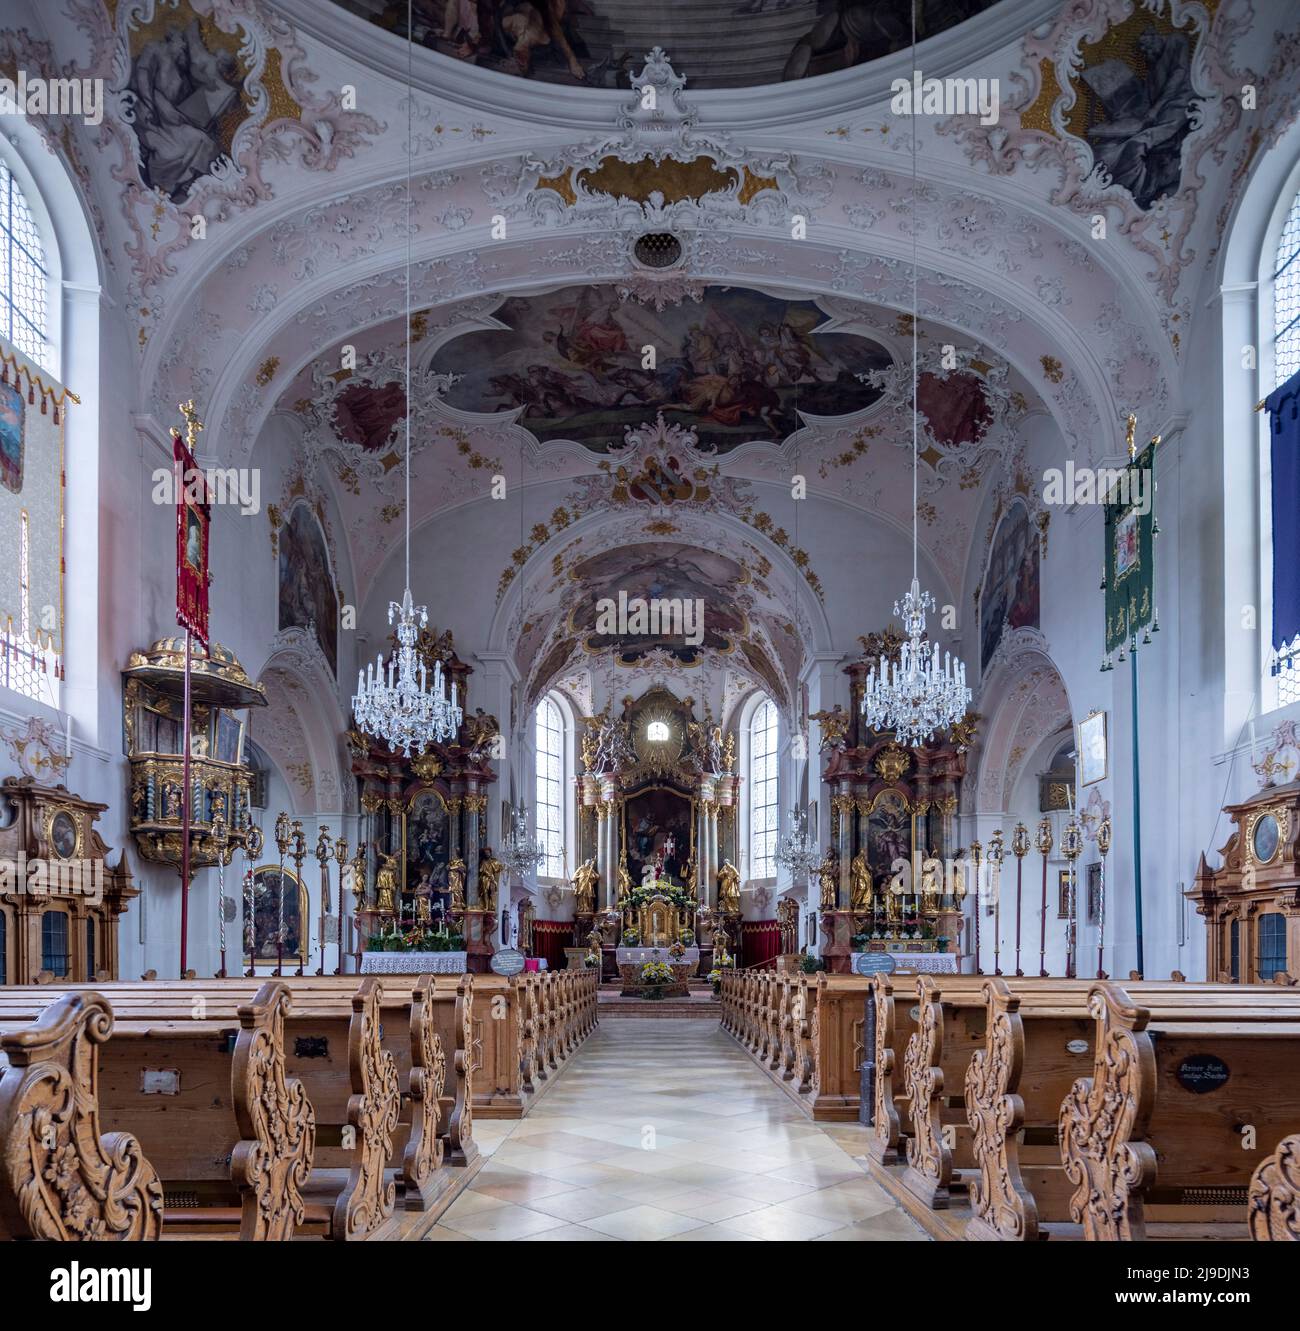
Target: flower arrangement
[
  {"x": 721, "y": 960},
  {"x": 656, "y": 973},
  {"x": 715, "y": 979},
  {"x": 631, "y": 937},
  {"x": 687, "y": 937},
  {"x": 677, "y": 950},
  {"x": 811, "y": 965},
  {"x": 591, "y": 960},
  {"x": 678, "y": 896},
  {"x": 416, "y": 938}
]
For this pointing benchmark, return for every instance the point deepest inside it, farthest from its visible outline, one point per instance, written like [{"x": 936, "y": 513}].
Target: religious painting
[
  {"x": 1135, "y": 105},
  {"x": 889, "y": 834},
  {"x": 186, "y": 92},
  {"x": 229, "y": 738},
  {"x": 1063, "y": 894},
  {"x": 956, "y": 408},
  {"x": 1092, "y": 749},
  {"x": 720, "y": 43},
  {"x": 1126, "y": 543},
  {"x": 368, "y": 415},
  {"x": 1009, "y": 594},
  {"x": 426, "y": 844},
  {"x": 279, "y": 898},
  {"x": 637, "y": 599},
  {"x": 308, "y": 599},
  {"x": 657, "y": 823},
  {"x": 739, "y": 366},
  {"x": 12, "y": 409}
]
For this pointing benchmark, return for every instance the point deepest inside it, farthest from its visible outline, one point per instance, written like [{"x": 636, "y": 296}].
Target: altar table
[
  {"x": 927, "y": 963},
  {"x": 413, "y": 963},
  {"x": 638, "y": 956}
]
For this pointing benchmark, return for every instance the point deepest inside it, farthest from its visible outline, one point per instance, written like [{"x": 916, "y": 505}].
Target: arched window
[
  {"x": 1286, "y": 298},
  {"x": 549, "y": 794},
  {"x": 763, "y": 764},
  {"x": 90, "y": 947},
  {"x": 1286, "y": 361},
  {"x": 24, "y": 276}
]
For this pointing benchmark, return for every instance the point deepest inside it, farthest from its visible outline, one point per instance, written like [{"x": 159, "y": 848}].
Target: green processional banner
[{"x": 1130, "y": 567}]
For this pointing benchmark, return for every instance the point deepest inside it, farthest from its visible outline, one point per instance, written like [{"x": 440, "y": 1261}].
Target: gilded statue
[
  {"x": 692, "y": 877},
  {"x": 828, "y": 874},
  {"x": 729, "y": 753},
  {"x": 624, "y": 878},
  {"x": 931, "y": 872},
  {"x": 595, "y": 942},
  {"x": 526, "y": 929},
  {"x": 860, "y": 893},
  {"x": 584, "y": 887},
  {"x": 386, "y": 885},
  {"x": 490, "y": 870},
  {"x": 729, "y": 888},
  {"x": 456, "y": 883}
]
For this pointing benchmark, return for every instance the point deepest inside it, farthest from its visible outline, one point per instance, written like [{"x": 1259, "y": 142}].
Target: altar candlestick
[
  {"x": 1044, "y": 849},
  {"x": 1020, "y": 848}
]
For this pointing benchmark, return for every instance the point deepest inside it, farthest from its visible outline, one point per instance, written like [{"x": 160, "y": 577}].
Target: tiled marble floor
[{"x": 664, "y": 1129}]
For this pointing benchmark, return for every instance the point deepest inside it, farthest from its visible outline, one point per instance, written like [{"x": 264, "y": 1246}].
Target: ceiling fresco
[
  {"x": 723, "y": 43},
  {"x": 735, "y": 366}
]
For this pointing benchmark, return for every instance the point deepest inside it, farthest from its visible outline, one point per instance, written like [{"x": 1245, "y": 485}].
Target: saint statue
[
  {"x": 584, "y": 887},
  {"x": 729, "y": 889},
  {"x": 828, "y": 873},
  {"x": 860, "y": 893},
  {"x": 526, "y": 929},
  {"x": 490, "y": 870},
  {"x": 595, "y": 942},
  {"x": 456, "y": 883},
  {"x": 692, "y": 877},
  {"x": 386, "y": 885},
  {"x": 624, "y": 878},
  {"x": 931, "y": 872}
]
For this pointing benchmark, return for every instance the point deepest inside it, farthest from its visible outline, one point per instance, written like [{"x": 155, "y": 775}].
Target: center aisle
[{"x": 664, "y": 1129}]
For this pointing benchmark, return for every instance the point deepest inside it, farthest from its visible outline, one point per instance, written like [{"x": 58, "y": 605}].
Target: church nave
[{"x": 662, "y": 1129}]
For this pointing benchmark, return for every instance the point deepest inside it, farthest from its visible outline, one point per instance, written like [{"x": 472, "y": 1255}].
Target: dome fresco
[{"x": 719, "y": 43}]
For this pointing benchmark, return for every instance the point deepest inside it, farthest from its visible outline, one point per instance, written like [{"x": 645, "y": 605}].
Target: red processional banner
[{"x": 193, "y": 513}]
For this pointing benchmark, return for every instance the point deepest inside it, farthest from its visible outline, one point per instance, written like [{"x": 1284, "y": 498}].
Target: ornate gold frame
[
  {"x": 304, "y": 903},
  {"x": 52, "y": 811},
  {"x": 1283, "y": 815}
]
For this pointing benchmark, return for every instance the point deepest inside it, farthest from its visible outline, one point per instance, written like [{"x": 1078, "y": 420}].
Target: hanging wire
[
  {"x": 915, "y": 464},
  {"x": 410, "y": 150}
]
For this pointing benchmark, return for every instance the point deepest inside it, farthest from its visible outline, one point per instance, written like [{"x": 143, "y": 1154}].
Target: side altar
[
  {"x": 892, "y": 809},
  {"x": 430, "y": 874}
]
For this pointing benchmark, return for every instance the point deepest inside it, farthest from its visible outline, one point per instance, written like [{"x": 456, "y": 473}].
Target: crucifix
[{"x": 193, "y": 425}]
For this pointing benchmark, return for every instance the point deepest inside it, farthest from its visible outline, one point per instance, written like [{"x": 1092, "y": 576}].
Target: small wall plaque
[
  {"x": 160, "y": 1081},
  {"x": 311, "y": 1046},
  {"x": 872, "y": 963},
  {"x": 1202, "y": 1073},
  {"x": 1076, "y": 1046},
  {"x": 507, "y": 961}
]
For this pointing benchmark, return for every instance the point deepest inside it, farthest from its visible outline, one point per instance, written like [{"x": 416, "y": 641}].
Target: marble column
[
  {"x": 603, "y": 866},
  {"x": 471, "y": 808}
]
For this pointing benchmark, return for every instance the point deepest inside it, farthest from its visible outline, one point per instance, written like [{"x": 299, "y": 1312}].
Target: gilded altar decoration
[
  {"x": 828, "y": 875},
  {"x": 456, "y": 872},
  {"x": 490, "y": 870},
  {"x": 834, "y": 726},
  {"x": 584, "y": 887},
  {"x": 861, "y": 895},
  {"x": 386, "y": 885},
  {"x": 624, "y": 878},
  {"x": 729, "y": 889},
  {"x": 891, "y": 763}
]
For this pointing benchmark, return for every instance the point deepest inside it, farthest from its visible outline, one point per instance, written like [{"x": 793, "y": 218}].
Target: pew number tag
[{"x": 160, "y": 1081}]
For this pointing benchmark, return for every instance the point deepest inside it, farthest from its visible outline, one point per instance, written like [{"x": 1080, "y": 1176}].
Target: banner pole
[
  {"x": 1137, "y": 817},
  {"x": 186, "y": 813}
]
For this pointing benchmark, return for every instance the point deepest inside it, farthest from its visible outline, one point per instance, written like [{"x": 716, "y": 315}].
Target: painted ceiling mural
[
  {"x": 598, "y": 43},
  {"x": 734, "y": 366}
]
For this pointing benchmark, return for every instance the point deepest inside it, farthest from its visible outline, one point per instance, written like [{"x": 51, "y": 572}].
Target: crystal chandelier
[
  {"x": 797, "y": 849},
  {"x": 522, "y": 852},
  {"x": 398, "y": 708},
  {"x": 917, "y": 695}
]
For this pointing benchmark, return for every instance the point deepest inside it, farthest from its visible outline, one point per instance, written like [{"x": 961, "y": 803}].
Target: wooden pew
[
  {"x": 1156, "y": 1132},
  {"x": 331, "y": 1044},
  {"x": 230, "y": 1134},
  {"x": 61, "y": 1178},
  {"x": 1274, "y": 1214}
]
